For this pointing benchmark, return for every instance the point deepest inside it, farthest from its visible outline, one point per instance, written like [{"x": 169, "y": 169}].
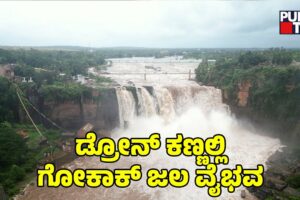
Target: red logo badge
[{"x": 289, "y": 22}]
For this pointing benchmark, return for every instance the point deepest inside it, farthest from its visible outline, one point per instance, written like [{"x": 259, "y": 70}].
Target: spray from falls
[{"x": 195, "y": 111}]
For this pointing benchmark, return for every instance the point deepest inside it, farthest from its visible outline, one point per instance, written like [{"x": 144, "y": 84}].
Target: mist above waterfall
[
  {"x": 195, "y": 111},
  {"x": 201, "y": 116}
]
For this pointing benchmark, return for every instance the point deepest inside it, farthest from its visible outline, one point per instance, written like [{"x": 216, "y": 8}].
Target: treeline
[
  {"x": 268, "y": 57},
  {"x": 139, "y": 52},
  {"x": 44, "y": 64},
  {"x": 75, "y": 60},
  {"x": 60, "y": 92},
  {"x": 69, "y": 62},
  {"x": 247, "y": 57}
]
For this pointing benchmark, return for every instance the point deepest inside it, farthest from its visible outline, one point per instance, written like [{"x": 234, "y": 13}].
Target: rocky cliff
[
  {"x": 99, "y": 109},
  {"x": 282, "y": 178}
]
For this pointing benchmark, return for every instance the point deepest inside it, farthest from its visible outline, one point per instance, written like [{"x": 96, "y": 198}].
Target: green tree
[
  {"x": 250, "y": 59},
  {"x": 8, "y": 101},
  {"x": 12, "y": 149},
  {"x": 282, "y": 57}
]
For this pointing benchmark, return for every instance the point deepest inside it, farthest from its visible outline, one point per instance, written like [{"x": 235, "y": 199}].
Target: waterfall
[
  {"x": 166, "y": 101},
  {"x": 204, "y": 97},
  {"x": 146, "y": 102},
  {"x": 127, "y": 107},
  {"x": 195, "y": 111}
]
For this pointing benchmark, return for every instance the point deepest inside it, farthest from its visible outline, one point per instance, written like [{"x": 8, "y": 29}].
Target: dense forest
[
  {"x": 21, "y": 148},
  {"x": 274, "y": 77},
  {"x": 70, "y": 62}
]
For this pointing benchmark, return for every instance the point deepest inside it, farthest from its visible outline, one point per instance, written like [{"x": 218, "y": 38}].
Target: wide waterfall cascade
[
  {"x": 165, "y": 101},
  {"x": 243, "y": 146},
  {"x": 195, "y": 111}
]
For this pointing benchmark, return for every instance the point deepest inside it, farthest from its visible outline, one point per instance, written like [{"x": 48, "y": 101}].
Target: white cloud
[{"x": 145, "y": 23}]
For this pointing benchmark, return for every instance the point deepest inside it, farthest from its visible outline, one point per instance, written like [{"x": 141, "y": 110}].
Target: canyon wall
[{"x": 101, "y": 110}]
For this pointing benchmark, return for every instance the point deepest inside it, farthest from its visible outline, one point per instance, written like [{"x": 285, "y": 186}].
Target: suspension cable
[
  {"x": 39, "y": 112},
  {"x": 27, "y": 113}
]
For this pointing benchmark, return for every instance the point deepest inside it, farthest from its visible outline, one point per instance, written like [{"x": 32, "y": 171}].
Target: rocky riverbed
[{"x": 282, "y": 178}]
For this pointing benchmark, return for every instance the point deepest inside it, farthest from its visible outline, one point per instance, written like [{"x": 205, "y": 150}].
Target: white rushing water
[
  {"x": 181, "y": 107},
  {"x": 166, "y": 101},
  {"x": 159, "y": 71},
  {"x": 126, "y": 104}
]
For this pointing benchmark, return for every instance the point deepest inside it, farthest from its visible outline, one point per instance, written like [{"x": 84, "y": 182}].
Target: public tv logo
[{"x": 289, "y": 22}]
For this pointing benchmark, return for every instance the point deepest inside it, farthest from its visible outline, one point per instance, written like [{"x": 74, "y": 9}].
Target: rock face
[
  {"x": 101, "y": 110},
  {"x": 243, "y": 93},
  {"x": 282, "y": 178},
  {"x": 246, "y": 105}
]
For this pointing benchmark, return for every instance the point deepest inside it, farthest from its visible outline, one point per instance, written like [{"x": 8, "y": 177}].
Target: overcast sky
[{"x": 197, "y": 24}]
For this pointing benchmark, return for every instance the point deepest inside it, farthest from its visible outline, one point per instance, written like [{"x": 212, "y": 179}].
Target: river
[{"x": 167, "y": 102}]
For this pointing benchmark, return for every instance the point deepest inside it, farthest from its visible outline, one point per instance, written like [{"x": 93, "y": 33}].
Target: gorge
[{"x": 170, "y": 106}]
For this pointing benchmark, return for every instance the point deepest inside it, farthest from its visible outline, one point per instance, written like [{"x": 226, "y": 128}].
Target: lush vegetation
[
  {"x": 69, "y": 62},
  {"x": 51, "y": 72},
  {"x": 247, "y": 56},
  {"x": 275, "y": 82},
  {"x": 39, "y": 76},
  {"x": 8, "y": 101},
  {"x": 274, "y": 79},
  {"x": 76, "y": 60},
  {"x": 64, "y": 91},
  {"x": 20, "y": 155}
]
